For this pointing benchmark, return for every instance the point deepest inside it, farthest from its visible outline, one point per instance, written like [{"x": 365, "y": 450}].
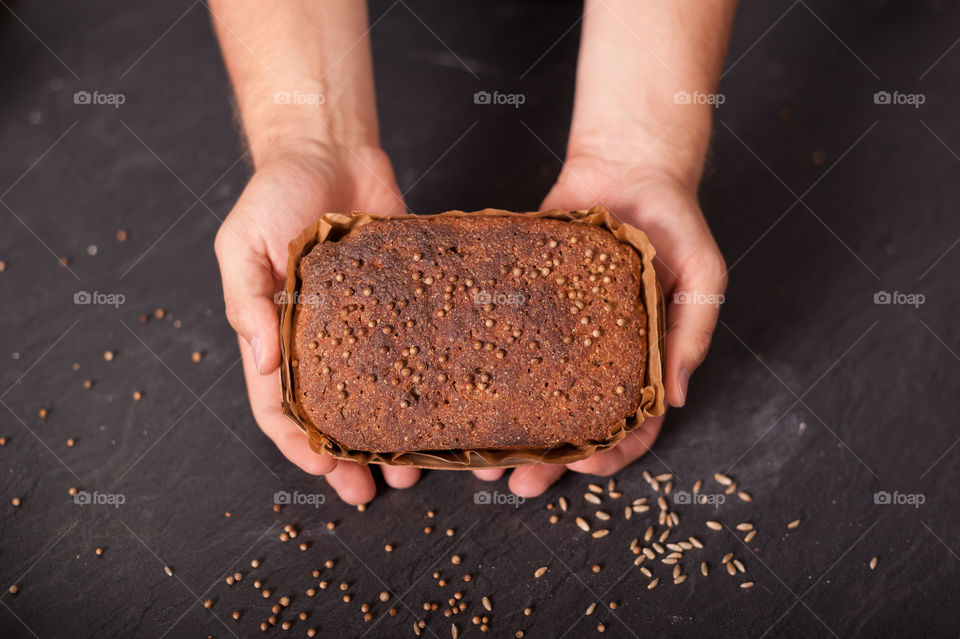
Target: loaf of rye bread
[{"x": 469, "y": 333}]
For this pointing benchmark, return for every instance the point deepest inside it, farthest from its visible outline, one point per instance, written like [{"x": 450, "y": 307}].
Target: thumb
[
  {"x": 249, "y": 286},
  {"x": 691, "y": 318}
]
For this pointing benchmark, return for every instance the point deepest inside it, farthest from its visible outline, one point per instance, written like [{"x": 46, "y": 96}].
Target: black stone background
[{"x": 813, "y": 397}]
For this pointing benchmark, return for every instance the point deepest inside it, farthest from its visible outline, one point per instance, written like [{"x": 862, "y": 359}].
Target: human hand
[
  {"x": 291, "y": 188},
  {"x": 687, "y": 260}
]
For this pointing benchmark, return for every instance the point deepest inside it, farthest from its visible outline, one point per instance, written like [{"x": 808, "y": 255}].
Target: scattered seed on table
[
  {"x": 602, "y": 515},
  {"x": 311, "y": 592},
  {"x": 744, "y": 496},
  {"x": 16, "y": 502},
  {"x": 236, "y": 614},
  {"x": 527, "y": 611},
  {"x": 108, "y": 356},
  {"x": 388, "y": 548},
  {"x": 653, "y": 583},
  {"x": 43, "y": 413},
  {"x": 657, "y": 547},
  {"x": 722, "y": 479},
  {"x": 714, "y": 525},
  {"x": 591, "y": 608},
  {"x": 14, "y": 589},
  {"x": 793, "y": 524},
  {"x": 257, "y": 583},
  {"x": 265, "y": 593},
  {"x": 455, "y": 560},
  {"x": 454, "y": 631},
  {"x": 744, "y": 526},
  {"x": 208, "y": 603},
  {"x": 331, "y": 525},
  {"x": 603, "y": 532},
  {"x": 582, "y": 524},
  {"x": 303, "y": 546},
  {"x": 540, "y": 572},
  {"x": 328, "y": 564},
  {"x": 739, "y": 565},
  {"x": 595, "y": 568},
  {"x": 71, "y": 442},
  {"x": 254, "y": 563},
  {"x": 487, "y": 604},
  {"x": 648, "y": 534},
  {"x": 593, "y": 499},
  {"x": 449, "y": 532},
  {"x": 746, "y": 584},
  {"x": 168, "y": 570},
  {"x": 384, "y": 596},
  {"x": 726, "y": 558},
  {"x": 704, "y": 569},
  {"x": 750, "y": 535},
  {"x": 563, "y": 504},
  {"x": 627, "y": 512},
  {"x": 679, "y": 579},
  {"x": 323, "y": 585},
  {"x": 99, "y": 552},
  {"x": 646, "y": 572},
  {"x": 595, "y": 488},
  {"x": 873, "y": 563},
  {"x": 601, "y": 627},
  {"x": 730, "y": 569},
  {"x": 697, "y": 485},
  {"x": 346, "y": 598},
  {"x": 732, "y": 488}
]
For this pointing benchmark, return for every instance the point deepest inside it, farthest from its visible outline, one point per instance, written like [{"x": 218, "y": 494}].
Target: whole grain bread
[{"x": 469, "y": 333}]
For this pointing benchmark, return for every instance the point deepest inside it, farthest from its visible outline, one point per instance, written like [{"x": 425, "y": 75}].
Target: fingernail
[
  {"x": 255, "y": 346},
  {"x": 682, "y": 380}
]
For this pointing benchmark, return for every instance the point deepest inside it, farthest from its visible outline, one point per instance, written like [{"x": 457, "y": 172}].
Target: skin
[{"x": 631, "y": 148}]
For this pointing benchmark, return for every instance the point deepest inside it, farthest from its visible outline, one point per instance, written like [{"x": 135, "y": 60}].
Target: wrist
[
  {"x": 304, "y": 120},
  {"x": 617, "y": 162}
]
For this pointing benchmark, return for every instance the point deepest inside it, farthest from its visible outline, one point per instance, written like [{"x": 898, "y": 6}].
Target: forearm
[
  {"x": 635, "y": 58},
  {"x": 301, "y": 72}
]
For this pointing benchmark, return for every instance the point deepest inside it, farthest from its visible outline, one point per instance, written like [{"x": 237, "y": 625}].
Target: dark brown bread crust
[{"x": 469, "y": 333}]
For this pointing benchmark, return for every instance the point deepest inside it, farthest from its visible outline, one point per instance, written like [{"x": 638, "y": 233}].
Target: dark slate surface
[{"x": 813, "y": 398}]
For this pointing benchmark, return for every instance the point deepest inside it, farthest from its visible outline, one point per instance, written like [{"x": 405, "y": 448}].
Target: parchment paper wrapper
[{"x": 332, "y": 226}]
